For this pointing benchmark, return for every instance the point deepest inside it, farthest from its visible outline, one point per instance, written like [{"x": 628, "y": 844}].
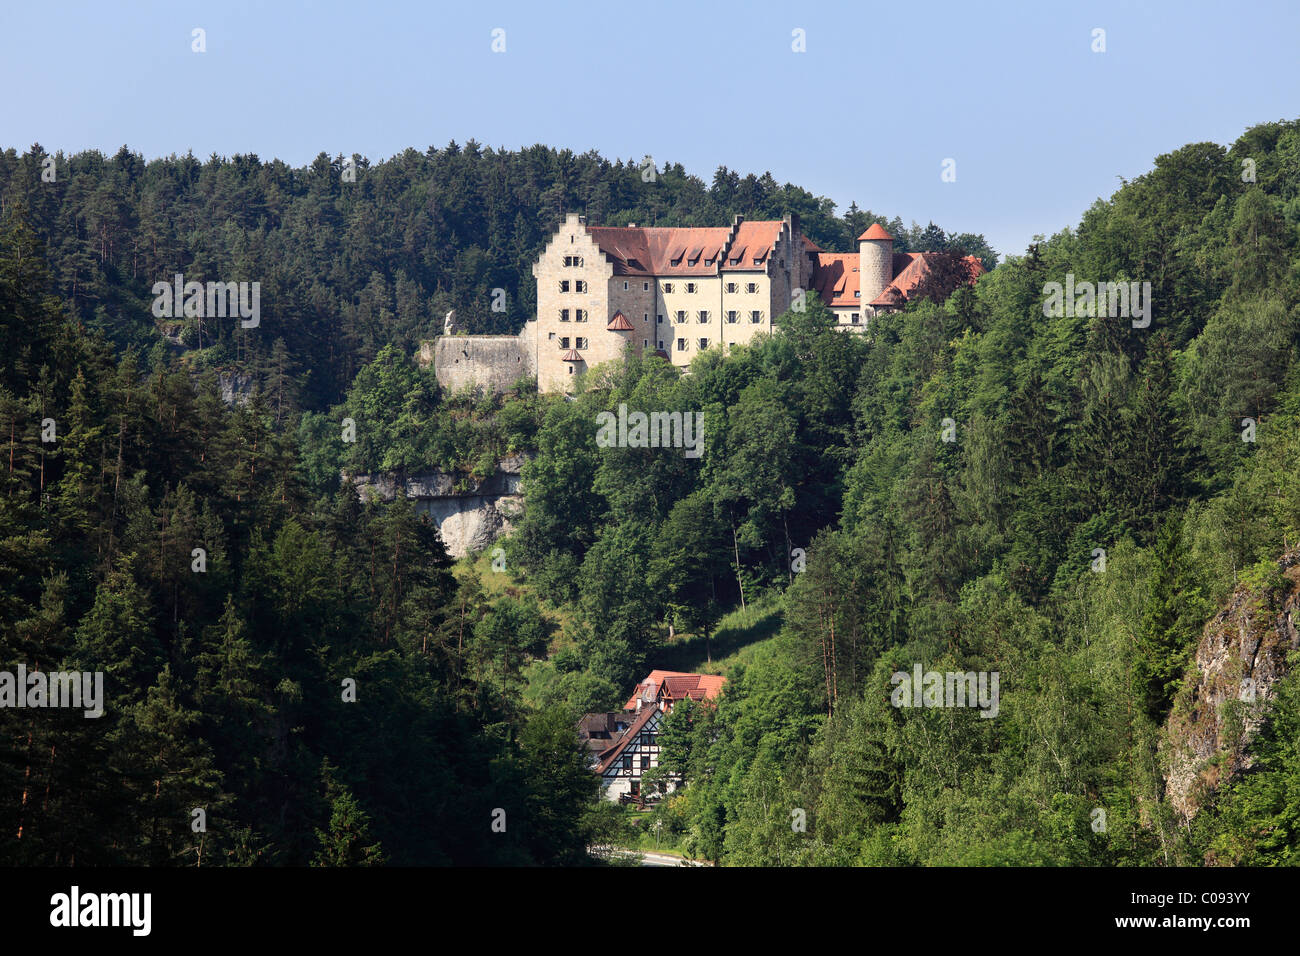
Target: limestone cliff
[
  {"x": 1241, "y": 656},
  {"x": 470, "y": 514}
]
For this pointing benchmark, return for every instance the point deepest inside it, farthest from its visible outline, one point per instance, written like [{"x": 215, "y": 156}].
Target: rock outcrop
[
  {"x": 470, "y": 514},
  {"x": 1241, "y": 655}
]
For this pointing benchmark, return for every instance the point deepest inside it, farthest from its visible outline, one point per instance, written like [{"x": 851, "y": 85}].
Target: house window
[
  {"x": 681, "y": 345},
  {"x": 627, "y": 764},
  {"x": 564, "y": 285},
  {"x": 564, "y": 315},
  {"x": 704, "y": 316},
  {"x": 635, "y": 788},
  {"x": 661, "y": 343},
  {"x": 751, "y": 286},
  {"x": 579, "y": 286},
  {"x": 645, "y": 317},
  {"x": 564, "y": 342},
  {"x": 690, "y": 287},
  {"x": 645, "y": 762},
  {"x": 731, "y": 317},
  {"x": 645, "y": 286},
  {"x": 668, "y": 287},
  {"x": 854, "y": 320},
  {"x": 731, "y": 287},
  {"x": 756, "y": 317},
  {"x": 661, "y": 318},
  {"x": 704, "y": 343},
  {"x": 580, "y": 315},
  {"x": 681, "y": 316},
  {"x": 580, "y": 343}
]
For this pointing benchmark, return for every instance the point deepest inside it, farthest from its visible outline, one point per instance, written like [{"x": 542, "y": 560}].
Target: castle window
[
  {"x": 573, "y": 261},
  {"x": 661, "y": 319},
  {"x": 704, "y": 343},
  {"x": 564, "y": 285},
  {"x": 690, "y": 287},
  {"x": 731, "y": 317},
  {"x": 580, "y": 343},
  {"x": 681, "y": 316},
  {"x": 704, "y": 316},
  {"x": 661, "y": 343},
  {"x": 564, "y": 315},
  {"x": 645, "y": 317},
  {"x": 551, "y": 337},
  {"x": 855, "y": 318},
  {"x": 756, "y": 317},
  {"x": 681, "y": 345},
  {"x": 580, "y": 315},
  {"x": 564, "y": 342},
  {"x": 645, "y": 286},
  {"x": 731, "y": 287},
  {"x": 645, "y": 343},
  {"x": 624, "y": 285},
  {"x": 579, "y": 286},
  {"x": 752, "y": 286}
]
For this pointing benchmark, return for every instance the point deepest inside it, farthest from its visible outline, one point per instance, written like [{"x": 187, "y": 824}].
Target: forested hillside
[
  {"x": 355, "y": 257},
  {"x": 1101, "y": 499}
]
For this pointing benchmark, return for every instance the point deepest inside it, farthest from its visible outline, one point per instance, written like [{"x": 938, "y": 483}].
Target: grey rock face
[
  {"x": 469, "y": 518},
  {"x": 1241, "y": 655}
]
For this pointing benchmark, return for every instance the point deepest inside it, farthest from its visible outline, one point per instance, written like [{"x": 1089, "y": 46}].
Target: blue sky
[{"x": 1040, "y": 126}]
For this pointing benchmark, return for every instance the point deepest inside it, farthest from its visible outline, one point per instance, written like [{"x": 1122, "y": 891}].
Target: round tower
[{"x": 875, "y": 265}]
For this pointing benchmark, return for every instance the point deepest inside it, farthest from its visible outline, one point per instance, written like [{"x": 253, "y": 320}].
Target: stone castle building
[{"x": 675, "y": 292}]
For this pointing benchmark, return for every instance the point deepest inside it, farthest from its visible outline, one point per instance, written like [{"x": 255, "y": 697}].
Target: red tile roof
[
  {"x": 875, "y": 232},
  {"x": 571, "y": 356},
  {"x": 836, "y": 278},
  {"x": 754, "y": 240},
  {"x": 677, "y": 685},
  {"x": 910, "y": 268},
  {"x": 619, "y": 323},
  {"x": 685, "y": 251}
]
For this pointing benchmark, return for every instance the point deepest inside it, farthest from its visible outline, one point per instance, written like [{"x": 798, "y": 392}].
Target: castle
[{"x": 675, "y": 292}]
